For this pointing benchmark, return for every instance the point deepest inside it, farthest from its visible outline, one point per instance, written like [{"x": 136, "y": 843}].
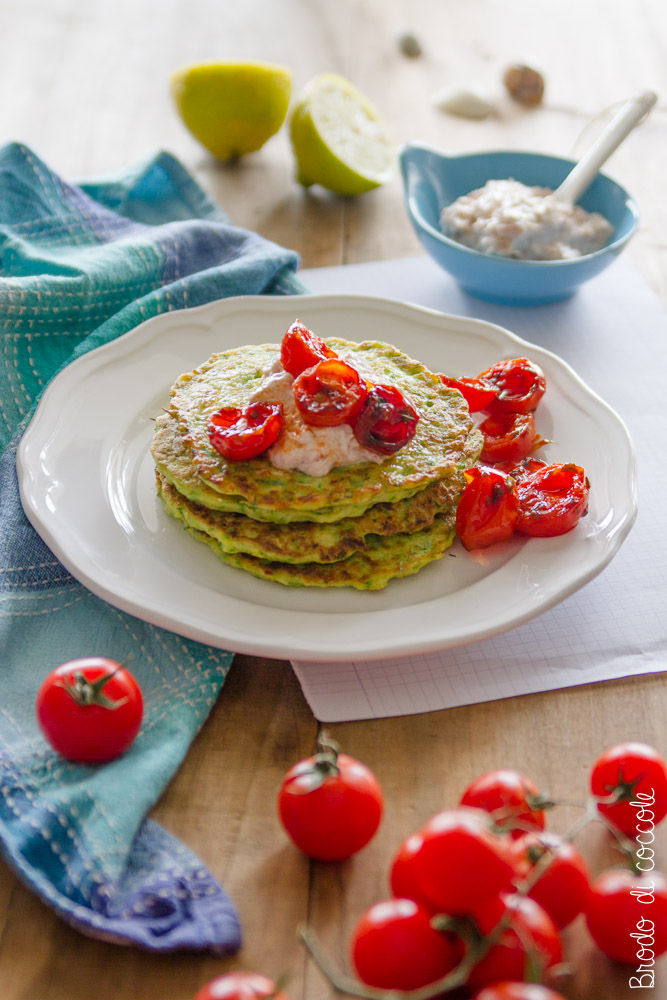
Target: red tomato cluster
[
  {"x": 510, "y": 491},
  {"x": 482, "y": 891},
  {"x": 328, "y": 392},
  {"x": 459, "y": 875}
]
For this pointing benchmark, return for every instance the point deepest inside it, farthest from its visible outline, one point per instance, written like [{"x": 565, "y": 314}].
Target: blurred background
[{"x": 86, "y": 85}]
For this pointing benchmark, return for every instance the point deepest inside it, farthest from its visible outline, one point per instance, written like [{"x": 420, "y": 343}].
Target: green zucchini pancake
[{"x": 316, "y": 463}]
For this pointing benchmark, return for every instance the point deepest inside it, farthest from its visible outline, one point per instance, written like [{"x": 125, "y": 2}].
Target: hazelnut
[{"x": 525, "y": 85}]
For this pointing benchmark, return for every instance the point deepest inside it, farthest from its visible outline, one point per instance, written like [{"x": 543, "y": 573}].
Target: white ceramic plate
[{"x": 87, "y": 485}]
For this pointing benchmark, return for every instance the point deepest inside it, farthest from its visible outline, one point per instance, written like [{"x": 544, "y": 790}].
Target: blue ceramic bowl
[{"x": 432, "y": 179}]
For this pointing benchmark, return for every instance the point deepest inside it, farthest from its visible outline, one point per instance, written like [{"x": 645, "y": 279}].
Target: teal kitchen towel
[{"x": 79, "y": 266}]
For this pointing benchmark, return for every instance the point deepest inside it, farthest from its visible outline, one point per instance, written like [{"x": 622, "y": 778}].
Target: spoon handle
[{"x": 613, "y": 135}]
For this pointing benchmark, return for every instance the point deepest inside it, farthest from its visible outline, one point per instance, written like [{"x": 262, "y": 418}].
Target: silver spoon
[{"x": 579, "y": 178}]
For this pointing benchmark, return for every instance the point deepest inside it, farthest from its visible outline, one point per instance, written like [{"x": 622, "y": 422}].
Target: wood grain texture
[{"x": 86, "y": 86}]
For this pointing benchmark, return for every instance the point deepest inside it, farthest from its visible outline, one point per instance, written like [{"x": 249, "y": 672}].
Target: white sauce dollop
[
  {"x": 313, "y": 450},
  {"x": 510, "y": 219}
]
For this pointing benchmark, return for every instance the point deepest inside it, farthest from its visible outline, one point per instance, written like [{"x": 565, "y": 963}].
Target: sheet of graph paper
[{"x": 614, "y": 334}]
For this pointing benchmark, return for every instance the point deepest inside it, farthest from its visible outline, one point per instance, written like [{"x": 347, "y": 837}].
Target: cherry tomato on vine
[
  {"x": 240, "y": 986},
  {"x": 517, "y": 991},
  {"x": 627, "y": 915},
  {"x": 394, "y": 947},
  {"x": 520, "y": 383},
  {"x": 512, "y": 800},
  {"x": 508, "y": 436},
  {"x": 631, "y": 773},
  {"x": 552, "y": 500},
  {"x": 386, "y": 420},
  {"x": 488, "y": 507},
  {"x": 90, "y": 709},
  {"x": 301, "y": 348},
  {"x": 563, "y": 887},
  {"x": 330, "y": 804},
  {"x": 529, "y": 943},
  {"x": 402, "y": 877},
  {"x": 461, "y": 862},
  {"x": 477, "y": 392},
  {"x": 239, "y": 433},
  {"x": 330, "y": 393}
]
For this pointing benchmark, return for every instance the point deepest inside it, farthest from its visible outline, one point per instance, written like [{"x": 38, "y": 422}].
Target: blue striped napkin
[{"x": 80, "y": 265}]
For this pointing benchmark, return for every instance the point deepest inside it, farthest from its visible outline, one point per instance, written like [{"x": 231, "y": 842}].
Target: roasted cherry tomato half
[
  {"x": 240, "y": 986},
  {"x": 517, "y": 991},
  {"x": 394, "y": 947},
  {"x": 330, "y": 804},
  {"x": 552, "y": 500},
  {"x": 301, "y": 349},
  {"x": 386, "y": 421},
  {"x": 563, "y": 881},
  {"x": 462, "y": 862},
  {"x": 90, "y": 710},
  {"x": 519, "y": 470},
  {"x": 330, "y": 393},
  {"x": 487, "y": 510},
  {"x": 627, "y": 917},
  {"x": 512, "y": 800},
  {"x": 632, "y": 778},
  {"x": 520, "y": 383},
  {"x": 508, "y": 436},
  {"x": 477, "y": 392},
  {"x": 528, "y": 946},
  {"x": 239, "y": 433}
]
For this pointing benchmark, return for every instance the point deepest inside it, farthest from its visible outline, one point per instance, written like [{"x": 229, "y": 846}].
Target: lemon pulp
[{"x": 339, "y": 138}]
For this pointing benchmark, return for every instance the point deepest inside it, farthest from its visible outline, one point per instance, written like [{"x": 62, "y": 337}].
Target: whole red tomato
[
  {"x": 512, "y": 800},
  {"x": 527, "y": 941},
  {"x": 330, "y": 804},
  {"x": 90, "y": 709},
  {"x": 487, "y": 509},
  {"x": 301, "y": 348},
  {"x": 563, "y": 886},
  {"x": 240, "y": 433},
  {"x": 627, "y": 916},
  {"x": 240, "y": 986},
  {"x": 517, "y": 991},
  {"x": 394, "y": 947},
  {"x": 552, "y": 500},
  {"x": 461, "y": 862},
  {"x": 402, "y": 876},
  {"x": 632, "y": 777}
]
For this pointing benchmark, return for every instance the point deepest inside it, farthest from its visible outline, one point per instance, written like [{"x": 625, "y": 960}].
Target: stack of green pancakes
[{"x": 360, "y": 525}]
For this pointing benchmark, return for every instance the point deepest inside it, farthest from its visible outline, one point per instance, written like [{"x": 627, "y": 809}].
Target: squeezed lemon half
[{"x": 339, "y": 138}]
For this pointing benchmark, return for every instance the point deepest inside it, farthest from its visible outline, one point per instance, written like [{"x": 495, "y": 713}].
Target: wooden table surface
[{"x": 85, "y": 84}]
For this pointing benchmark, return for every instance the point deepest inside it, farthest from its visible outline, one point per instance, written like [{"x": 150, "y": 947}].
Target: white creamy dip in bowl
[{"x": 434, "y": 180}]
